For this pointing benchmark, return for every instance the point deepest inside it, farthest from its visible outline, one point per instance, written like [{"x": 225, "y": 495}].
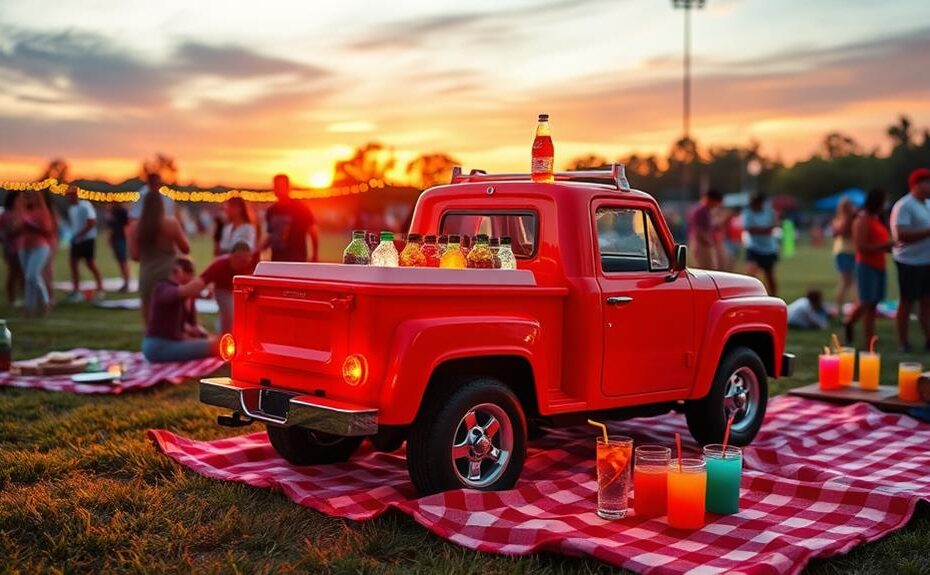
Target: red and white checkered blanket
[
  {"x": 139, "y": 374},
  {"x": 818, "y": 480}
]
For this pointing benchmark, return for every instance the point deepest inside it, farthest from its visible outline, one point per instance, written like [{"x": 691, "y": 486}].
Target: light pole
[{"x": 687, "y": 5}]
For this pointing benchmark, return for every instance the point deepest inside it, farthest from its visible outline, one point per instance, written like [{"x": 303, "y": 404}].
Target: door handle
[{"x": 619, "y": 299}]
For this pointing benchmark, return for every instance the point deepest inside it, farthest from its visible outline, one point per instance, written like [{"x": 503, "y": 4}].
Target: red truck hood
[{"x": 736, "y": 285}]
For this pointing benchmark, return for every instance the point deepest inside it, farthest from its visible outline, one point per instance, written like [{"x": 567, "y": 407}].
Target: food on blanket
[
  {"x": 6, "y": 346},
  {"x": 687, "y": 489},
  {"x": 829, "y": 371},
  {"x": 54, "y": 363},
  {"x": 723, "y": 478},
  {"x": 613, "y": 476},
  {"x": 908, "y": 372},
  {"x": 847, "y": 365},
  {"x": 869, "y": 369},
  {"x": 650, "y": 477}
]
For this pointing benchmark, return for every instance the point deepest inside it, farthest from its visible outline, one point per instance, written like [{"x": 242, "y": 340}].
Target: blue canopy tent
[{"x": 828, "y": 204}]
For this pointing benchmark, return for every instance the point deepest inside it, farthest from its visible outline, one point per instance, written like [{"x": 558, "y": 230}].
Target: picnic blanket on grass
[
  {"x": 817, "y": 481},
  {"x": 139, "y": 374}
]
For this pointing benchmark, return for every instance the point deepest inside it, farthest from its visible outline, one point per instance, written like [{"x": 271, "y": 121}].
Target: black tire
[
  {"x": 442, "y": 422},
  {"x": 707, "y": 417},
  {"x": 306, "y": 447}
]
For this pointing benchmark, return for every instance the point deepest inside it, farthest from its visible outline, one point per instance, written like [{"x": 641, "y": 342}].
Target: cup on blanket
[
  {"x": 614, "y": 460},
  {"x": 724, "y": 472},
  {"x": 687, "y": 491}
]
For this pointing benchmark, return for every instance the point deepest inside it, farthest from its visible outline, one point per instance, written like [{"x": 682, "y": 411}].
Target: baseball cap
[{"x": 917, "y": 176}]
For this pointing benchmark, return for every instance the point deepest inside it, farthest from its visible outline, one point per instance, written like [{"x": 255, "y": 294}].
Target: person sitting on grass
[
  {"x": 172, "y": 332},
  {"x": 808, "y": 312},
  {"x": 219, "y": 274}
]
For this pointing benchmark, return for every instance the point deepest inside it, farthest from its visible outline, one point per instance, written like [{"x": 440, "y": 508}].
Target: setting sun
[{"x": 321, "y": 179}]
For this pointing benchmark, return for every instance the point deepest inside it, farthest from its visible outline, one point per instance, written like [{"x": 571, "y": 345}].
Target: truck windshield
[{"x": 520, "y": 227}]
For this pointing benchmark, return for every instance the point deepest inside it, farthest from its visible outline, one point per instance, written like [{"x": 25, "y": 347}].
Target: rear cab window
[
  {"x": 520, "y": 227},
  {"x": 628, "y": 241}
]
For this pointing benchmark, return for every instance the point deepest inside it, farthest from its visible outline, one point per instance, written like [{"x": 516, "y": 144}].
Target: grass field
[{"x": 82, "y": 490}]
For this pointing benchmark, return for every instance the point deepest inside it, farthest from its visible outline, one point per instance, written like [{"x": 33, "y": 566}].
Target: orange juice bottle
[
  {"x": 480, "y": 255},
  {"x": 543, "y": 155},
  {"x": 412, "y": 254},
  {"x": 453, "y": 256}
]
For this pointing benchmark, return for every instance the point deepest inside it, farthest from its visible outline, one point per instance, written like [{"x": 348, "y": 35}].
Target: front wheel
[
  {"x": 473, "y": 438},
  {"x": 307, "y": 447},
  {"x": 740, "y": 388}
]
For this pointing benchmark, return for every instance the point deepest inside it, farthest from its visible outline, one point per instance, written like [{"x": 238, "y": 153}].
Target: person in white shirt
[
  {"x": 808, "y": 312},
  {"x": 240, "y": 226},
  {"x": 910, "y": 224},
  {"x": 82, "y": 219}
]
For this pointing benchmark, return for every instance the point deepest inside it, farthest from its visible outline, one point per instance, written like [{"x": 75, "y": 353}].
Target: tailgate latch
[{"x": 343, "y": 302}]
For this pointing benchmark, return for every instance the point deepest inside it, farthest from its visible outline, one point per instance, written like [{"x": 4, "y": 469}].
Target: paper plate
[{"x": 94, "y": 377}]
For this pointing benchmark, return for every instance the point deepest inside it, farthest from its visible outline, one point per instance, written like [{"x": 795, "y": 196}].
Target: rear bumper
[
  {"x": 787, "y": 365},
  {"x": 284, "y": 408}
]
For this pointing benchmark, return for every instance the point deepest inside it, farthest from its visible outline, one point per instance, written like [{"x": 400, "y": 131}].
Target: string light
[{"x": 197, "y": 196}]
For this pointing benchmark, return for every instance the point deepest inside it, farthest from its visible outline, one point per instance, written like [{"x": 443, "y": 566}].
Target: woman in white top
[{"x": 241, "y": 226}]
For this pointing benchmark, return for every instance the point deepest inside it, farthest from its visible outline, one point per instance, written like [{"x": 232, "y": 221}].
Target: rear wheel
[
  {"x": 307, "y": 447},
  {"x": 740, "y": 388},
  {"x": 473, "y": 438}
]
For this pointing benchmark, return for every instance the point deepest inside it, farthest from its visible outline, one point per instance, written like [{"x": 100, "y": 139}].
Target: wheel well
[
  {"x": 513, "y": 371},
  {"x": 758, "y": 341}
]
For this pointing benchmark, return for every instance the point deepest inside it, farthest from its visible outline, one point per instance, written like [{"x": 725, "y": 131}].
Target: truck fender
[
  {"x": 727, "y": 318},
  {"x": 422, "y": 345}
]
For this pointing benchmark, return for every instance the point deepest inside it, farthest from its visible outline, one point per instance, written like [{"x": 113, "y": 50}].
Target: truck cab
[{"x": 602, "y": 318}]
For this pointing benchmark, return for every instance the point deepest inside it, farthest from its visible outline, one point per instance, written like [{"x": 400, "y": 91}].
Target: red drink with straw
[{"x": 614, "y": 457}]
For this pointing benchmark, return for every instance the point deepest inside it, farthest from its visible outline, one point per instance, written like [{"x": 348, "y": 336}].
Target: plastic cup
[
  {"x": 723, "y": 478},
  {"x": 847, "y": 365},
  {"x": 614, "y": 460},
  {"x": 687, "y": 490},
  {"x": 869, "y": 369},
  {"x": 908, "y": 372},
  {"x": 829, "y": 372},
  {"x": 650, "y": 480}
]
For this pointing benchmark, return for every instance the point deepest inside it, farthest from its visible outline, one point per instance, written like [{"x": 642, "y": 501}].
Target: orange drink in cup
[
  {"x": 614, "y": 460},
  {"x": 687, "y": 490},
  {"x": 847, "y": 365},
  {"x": 869, "y": 368},
  {"x": 908, "y": 372}
]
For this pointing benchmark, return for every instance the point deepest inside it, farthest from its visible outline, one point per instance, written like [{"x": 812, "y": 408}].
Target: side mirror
[{"x": 681, "y": 257}]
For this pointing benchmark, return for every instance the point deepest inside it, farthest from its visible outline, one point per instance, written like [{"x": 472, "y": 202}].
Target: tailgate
[{"x": 292, "y": 325}]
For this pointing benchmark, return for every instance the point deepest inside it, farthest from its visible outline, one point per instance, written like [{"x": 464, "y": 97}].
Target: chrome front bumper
[{"x": 289, "y": 408}]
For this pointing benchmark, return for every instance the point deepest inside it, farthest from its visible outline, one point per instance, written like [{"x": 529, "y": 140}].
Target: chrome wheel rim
[
  {"x": 741, "y": 397},
  {"x": 482, "y": 445}
]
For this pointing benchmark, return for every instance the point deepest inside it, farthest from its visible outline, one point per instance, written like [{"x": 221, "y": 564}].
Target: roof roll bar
[{"x": 615, "y": 176}]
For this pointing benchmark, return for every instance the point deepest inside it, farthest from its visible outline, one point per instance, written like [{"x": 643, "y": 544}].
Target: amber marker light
[
  {"x": 355, "y": 370},
  {"x": 227, "y": 347}
]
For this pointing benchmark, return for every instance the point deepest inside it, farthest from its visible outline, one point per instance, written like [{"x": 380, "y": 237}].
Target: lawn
[{"x": 82, "y": 490}]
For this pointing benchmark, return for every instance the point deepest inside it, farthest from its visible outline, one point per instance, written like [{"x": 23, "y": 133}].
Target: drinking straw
[
  {"x": 726, "y": 436},
  {"x": 603, "y": 429},
  {"x": 872, "y": 343},
  {"x": 826, "y": 350},
  {"x": 678, "y": 445},
  {"x": 836, "y": 342}
]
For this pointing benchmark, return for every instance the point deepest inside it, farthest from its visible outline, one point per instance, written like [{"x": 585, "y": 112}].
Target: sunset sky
[{"x": 238, "y": 91}]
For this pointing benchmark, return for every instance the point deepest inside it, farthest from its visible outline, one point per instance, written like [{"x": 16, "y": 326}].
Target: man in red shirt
[
  {"x": 289, "y": 223},
  {"x": 702, "y": 239},
  {"x": 219, "y": 274}
]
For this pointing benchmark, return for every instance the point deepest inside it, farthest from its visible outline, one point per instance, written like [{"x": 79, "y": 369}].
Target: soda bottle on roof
[
  {"x": 541, "y": 168},
  {"x": 412, "y": 254}
]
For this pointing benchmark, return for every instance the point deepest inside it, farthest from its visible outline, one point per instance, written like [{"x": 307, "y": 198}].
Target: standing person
[
  {"x": 48, "y": 272},
  {"x": 240, "y": 226},
  {"x": 9, "y": 236},
  {"x": 289, "y": 223},
  {"x": 117, "y": 220},
  {"x": 701, "y": 234},
  {"x": 759, "y": 223},
  {"x": 872, "y": 241},
  {"x": 34, "y": 228},
  {"x": 154, "y": 241},
  {"x": 172, "y": 332},
  {"x": 220, "y": 273},
  {"x": 844, "y": 251},
  {"x": 83, "y": 222},
  {"x": 910, "y": 223}
]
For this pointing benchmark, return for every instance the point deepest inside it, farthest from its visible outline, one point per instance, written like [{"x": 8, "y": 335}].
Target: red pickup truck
[{"x": 601, "y": 319}]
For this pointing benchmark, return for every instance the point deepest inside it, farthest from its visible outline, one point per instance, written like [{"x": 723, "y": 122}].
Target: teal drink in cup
[{"x": 724, "y": 471}]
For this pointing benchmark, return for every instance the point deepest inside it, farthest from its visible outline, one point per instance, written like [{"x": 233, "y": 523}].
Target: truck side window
[
  {"x": 520, "y": 227},
  {"x": 658, "y": 257},
  {"x": 621, "y": 239}
]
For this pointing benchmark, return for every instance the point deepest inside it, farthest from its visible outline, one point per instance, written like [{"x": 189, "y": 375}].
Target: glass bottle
[
  {"x": 543, "y": 155},
  {"x": 453, "y": 256},
  {"x": 356, "y": 253},
  {"x": 6, "y": 346},
  {"x": 412, "y": 254},
  {"x": 495, "y": 244},
  {"x": 430, "y": 251},
  {"x": 443, "y": 244},
  {"x": 466, "y": 244},
  {"x": 480, "y": 256},
  {"x": 508, "y": 260},
  {"x": 385, "y": 255},
  {"x": 371, "y": 240}
]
